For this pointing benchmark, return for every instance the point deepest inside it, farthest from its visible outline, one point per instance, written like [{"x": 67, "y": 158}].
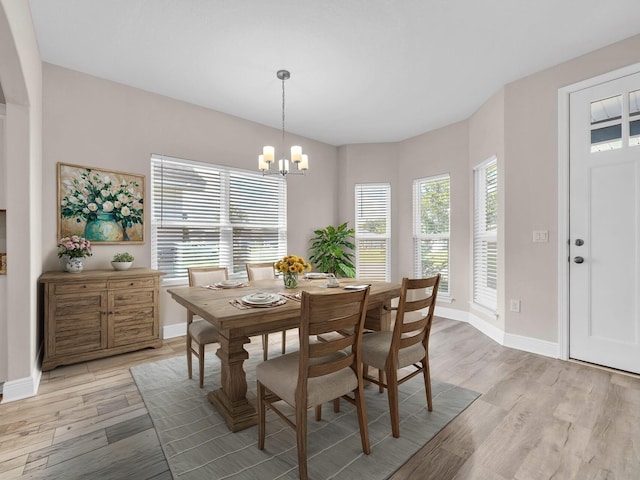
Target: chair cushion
[
  {"x": 280, "y": 375},
  {"x": 375, "y": 349},
  {"x": 203, "y": 332}
]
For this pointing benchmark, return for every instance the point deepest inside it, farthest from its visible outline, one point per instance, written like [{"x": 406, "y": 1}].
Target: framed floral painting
[{"x": 100, "y": 205}]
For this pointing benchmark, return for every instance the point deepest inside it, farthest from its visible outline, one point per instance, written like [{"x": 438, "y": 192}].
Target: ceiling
[{"x": 362, "y": 71}]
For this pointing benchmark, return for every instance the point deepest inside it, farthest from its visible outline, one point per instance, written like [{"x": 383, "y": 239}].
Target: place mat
[
  {"x": 238, "y": 303},
  {"x": 215, "y": 287},
  {"x": 292, "y": 296}
]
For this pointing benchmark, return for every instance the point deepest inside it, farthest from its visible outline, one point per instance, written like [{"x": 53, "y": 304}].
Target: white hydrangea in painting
[{"x": 101, "y": 206}]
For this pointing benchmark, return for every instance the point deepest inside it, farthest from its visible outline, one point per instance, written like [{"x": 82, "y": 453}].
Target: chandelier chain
[{"x": 283, "y": 79}]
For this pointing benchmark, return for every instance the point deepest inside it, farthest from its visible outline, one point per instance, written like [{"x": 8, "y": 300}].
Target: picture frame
[
  {"x": 3, "y": 263},
  {"x": 103, "y": 206}
]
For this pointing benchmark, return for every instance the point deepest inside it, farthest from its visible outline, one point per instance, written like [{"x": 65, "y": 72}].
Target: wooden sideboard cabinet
[{"x": 98, "y": 313}]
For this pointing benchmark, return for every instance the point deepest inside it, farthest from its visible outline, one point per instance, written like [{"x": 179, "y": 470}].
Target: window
[
  {"x": 485, "y": 234},
  {"x": 373, "y": 231},
  {"x": 431, "y": 200},
  {"x": 206, "y": 214}
]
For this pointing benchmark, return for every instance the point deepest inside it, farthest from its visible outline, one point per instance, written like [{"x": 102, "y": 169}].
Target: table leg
[
  {"x": 231, "y": 398},
  {"x": 379, "y": 318}
]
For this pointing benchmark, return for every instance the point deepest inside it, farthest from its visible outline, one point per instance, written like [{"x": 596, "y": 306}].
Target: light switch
[{"x": 540, "y": 236}]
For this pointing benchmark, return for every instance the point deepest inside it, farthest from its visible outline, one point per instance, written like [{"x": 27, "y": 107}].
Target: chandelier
[{"x": 298, "y": 164}]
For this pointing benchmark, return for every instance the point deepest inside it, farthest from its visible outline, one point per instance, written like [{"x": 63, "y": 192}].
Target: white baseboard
[
  {"x": 22, "y": 388},
  {"x": 174, "y": 330},
  {"x": 519, "y": 342},
  {"x": 532, "y": 345}
]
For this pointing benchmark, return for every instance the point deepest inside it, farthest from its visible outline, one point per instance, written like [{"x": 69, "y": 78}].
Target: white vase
[{"x": 74, "y": 265}]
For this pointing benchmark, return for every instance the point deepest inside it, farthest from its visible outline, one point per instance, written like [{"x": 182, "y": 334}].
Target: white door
[{"x": 604, "y": 215}]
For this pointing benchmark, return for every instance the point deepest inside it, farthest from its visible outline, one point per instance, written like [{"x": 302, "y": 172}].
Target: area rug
[{"x": 198, "y": 445}]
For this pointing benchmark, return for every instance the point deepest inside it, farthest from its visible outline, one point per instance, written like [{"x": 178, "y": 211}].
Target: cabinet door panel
[
  {"x": 132, "y": 325},
  {"x": 80, "y": 324}
]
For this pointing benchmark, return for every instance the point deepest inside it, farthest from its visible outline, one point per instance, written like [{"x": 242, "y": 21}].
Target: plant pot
[{"x": 121, "y": 265}]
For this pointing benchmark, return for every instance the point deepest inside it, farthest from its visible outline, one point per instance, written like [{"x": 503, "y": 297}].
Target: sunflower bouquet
[{"x": 290, "y": 266}]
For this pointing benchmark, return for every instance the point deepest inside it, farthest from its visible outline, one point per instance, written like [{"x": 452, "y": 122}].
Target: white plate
[
  {"x": 260, "y": 298},
  {"x": 315, "y": 275},
  {"x": 228, "y": 284}
]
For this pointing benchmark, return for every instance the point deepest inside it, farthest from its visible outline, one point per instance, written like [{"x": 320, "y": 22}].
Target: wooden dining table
[{"x": 235, "y": 326}]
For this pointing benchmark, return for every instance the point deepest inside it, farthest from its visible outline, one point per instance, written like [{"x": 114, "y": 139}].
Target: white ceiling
[{"x": 362, "y": 71}]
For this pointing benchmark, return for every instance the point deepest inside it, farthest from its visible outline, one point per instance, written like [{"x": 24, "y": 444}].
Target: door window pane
[
  {"x": 634, "y": 118},
  {"x": 606, "y": 126}
]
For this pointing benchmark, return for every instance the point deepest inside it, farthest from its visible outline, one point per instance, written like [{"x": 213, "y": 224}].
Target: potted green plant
[
  {"x": 331, "y": 250},
  {"x": 122, "y": 261}
]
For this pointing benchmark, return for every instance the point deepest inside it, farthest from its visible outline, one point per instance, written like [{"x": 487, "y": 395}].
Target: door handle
[{"x": 578, "y": 259}]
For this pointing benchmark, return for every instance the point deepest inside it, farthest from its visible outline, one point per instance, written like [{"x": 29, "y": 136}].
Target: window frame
[
  {"x": 444, "y": 294},
  {"x": 223, "y": 225},
  {"x": 363, "y": 236},
  {"x": 484, "y": 296}
]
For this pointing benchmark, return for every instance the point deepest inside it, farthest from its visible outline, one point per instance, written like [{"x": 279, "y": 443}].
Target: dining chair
[
  {"x": 201, "y": 331},
  {"x": 406, "y": 345},
  {"x": 265, "y": 271},
  {"x": 319, "y": 371}
]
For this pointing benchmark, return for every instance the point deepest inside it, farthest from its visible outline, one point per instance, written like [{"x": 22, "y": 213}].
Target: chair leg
[
  {"x": 261, "y": 415},
  {"x": 392, "y": 393},
  {"x": 284, "y": 342},
  {"x": 381, "y": 380},
  {"x": 362, "y": 418},
  {"x": 189, "y": 359},
  {"x": 265, "y": 346},
  {"x": 201, "y": 364},
  {"x": 427, "y": 382},
  {"x": 336, "y": 405},
  {"x": 301, "y": 439},
  {"x": 318, "y": 412}
]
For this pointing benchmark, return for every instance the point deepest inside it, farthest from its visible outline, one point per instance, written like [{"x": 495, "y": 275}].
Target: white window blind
[
  {"x": 485, "y": 234},
  {"x": 205, "y": 214},
  {"x": 373, "y": 231},
  {"x": 431, "y": 210}
]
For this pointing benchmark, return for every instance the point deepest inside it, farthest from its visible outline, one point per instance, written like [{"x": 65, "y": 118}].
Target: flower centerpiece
[
  {"x": 290, "y": 267},
  {"x": 74, "y": 249},
  {"x": 108, "y": 204}
]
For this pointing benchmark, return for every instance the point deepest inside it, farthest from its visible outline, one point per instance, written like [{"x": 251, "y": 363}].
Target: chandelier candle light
[{"x": 299, "y": 161}]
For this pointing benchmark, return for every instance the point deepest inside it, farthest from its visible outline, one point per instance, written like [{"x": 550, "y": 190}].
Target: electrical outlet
[{"x": 514, "y": 305}]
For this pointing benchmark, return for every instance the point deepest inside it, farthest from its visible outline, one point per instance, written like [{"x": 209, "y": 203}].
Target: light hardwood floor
[{"x": 537, "y": 418}]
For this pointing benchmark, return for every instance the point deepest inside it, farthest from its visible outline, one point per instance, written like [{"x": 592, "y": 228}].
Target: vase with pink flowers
[{"x": 73, "y": 249}]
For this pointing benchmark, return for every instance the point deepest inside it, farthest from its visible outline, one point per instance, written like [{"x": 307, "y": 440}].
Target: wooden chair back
[
  {"x": 412, "y": 325},
  {"x": 321, "y": 314}
]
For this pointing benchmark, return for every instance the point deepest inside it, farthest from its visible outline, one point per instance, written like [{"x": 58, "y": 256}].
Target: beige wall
[
  {"x": 531, "y": 183},
  {"x": 94, "y": 122},
  {"x": 21, "y": 78},
  {"x": 370, "y": 163},
  {"x": 486, "y": 139},
  {"x": 434, "y": 153},
  {"x": 98, "y": 123}
]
